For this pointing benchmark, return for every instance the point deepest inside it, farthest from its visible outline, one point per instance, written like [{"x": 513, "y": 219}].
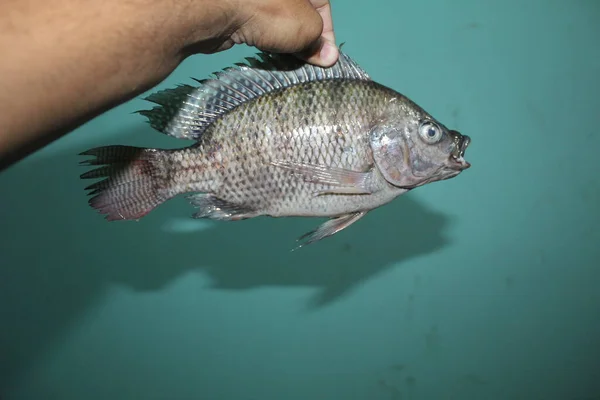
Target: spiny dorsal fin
[{"x": 186, "y": 111}]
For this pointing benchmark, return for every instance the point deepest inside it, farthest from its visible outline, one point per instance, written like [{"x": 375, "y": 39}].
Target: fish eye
[{"x": 430, "y": 132}]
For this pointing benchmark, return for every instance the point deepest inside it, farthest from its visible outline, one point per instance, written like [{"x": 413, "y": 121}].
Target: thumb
[
  {"x": 290, "y": 26},
  {"x": 325, "y": 53}
]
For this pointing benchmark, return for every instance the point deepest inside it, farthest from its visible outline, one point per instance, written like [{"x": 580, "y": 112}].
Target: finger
[
  {"x": 323, "y": 7},
  {"x": 324, "y": 52},
  {"x": 289, "y": 26}
]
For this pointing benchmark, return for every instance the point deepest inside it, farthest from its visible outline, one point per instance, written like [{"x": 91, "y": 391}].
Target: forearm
[{"x": 66, "y": 61}]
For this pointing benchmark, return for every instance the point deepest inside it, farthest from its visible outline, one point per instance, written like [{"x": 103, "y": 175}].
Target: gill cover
[{"x": 392, "y": 156}]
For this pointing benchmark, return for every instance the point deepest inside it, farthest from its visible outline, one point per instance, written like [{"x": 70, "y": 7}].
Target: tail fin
[{"x": 134, "y": 185}]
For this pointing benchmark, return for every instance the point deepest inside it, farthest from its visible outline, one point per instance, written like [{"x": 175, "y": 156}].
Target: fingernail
[{"x": 328, "y": 54}]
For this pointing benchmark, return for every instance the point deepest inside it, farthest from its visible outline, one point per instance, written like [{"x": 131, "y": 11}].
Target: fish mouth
[{"x": 461, "y": 142}]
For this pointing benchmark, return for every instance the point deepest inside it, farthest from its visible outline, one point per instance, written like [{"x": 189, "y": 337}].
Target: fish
[{"x": 276, "y": 136}]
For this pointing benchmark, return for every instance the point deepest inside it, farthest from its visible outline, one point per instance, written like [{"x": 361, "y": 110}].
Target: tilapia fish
[{"x": 279, "y": 137}]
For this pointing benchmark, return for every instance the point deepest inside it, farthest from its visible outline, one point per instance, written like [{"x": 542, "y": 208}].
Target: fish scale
[
  {"x": 247, "y": 152},
  {"x": 278, "y": 137}
]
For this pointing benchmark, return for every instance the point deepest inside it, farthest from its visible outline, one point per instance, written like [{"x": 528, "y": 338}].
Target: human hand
[
  {"x": 301, "y": 27},
  {"x": 53, "y": 52}
]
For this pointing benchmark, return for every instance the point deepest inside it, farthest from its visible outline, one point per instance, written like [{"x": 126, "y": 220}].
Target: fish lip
[
  {"x": 459, "y": 163},
  {"x": 461, "y": 142}
]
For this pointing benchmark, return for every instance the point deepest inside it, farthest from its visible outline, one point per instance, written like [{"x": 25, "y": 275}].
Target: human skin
[{"x": 65, "y": 62}]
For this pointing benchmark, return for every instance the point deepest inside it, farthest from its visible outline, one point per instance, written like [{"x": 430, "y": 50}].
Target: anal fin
[
  {"x": 340, "y": 180},
  {"x": 211, "y": 207},
  {"x": 330, "y": 228}
]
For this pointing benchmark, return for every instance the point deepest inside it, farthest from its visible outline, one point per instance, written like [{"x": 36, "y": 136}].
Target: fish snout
[{"x": 461, "y": 142}]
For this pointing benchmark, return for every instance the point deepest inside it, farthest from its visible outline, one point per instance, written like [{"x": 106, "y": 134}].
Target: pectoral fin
[
  {"x": 330, "y": 228},
  {"x": 342, "y": 181}
]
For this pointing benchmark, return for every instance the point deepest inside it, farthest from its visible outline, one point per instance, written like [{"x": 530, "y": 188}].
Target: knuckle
[
  {"x": 306, "y": 30},
  {"x": 290, "y": 26}
]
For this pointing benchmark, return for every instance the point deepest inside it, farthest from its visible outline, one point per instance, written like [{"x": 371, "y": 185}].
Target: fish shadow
[{"x": 57, "y": 256}]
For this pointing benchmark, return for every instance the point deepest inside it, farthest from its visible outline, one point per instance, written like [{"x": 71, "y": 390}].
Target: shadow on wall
[{"x": 58, "y": 255}]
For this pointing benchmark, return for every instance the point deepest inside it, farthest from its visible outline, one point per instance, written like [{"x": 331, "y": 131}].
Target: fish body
[{"x": 278, "y": 137}]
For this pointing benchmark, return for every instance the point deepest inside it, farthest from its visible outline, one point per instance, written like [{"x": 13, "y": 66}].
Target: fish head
[{"x": 411, "y": 148}]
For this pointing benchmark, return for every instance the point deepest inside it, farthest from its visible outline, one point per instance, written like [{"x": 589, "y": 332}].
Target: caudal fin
[{"x": 133, "y": 185}]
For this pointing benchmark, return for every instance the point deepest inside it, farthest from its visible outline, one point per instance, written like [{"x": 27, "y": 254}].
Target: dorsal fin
[{"x": 185, "y": 111}]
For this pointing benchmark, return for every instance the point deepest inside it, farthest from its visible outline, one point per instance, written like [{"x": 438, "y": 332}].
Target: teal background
[{"x": 481, "y": 287}]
